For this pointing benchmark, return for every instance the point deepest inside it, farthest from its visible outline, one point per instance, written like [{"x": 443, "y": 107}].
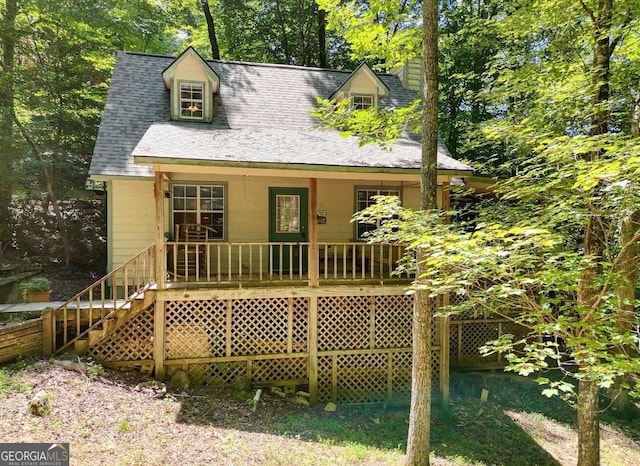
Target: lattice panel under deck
[
  {"x": 393, "y": 320},
  {"x": 131, "y": 342},
  {"x": 474, "y": 335},
  {"x": 195, "y": 329},
  {"x": 436, "y": 357},
  {"x": 402, "y": 375},
  {"x": 272, "y": 370},
  {"x": 260, "y": 326},
  {"x": 325, "y": 377},
  {"x": 300, "y": 324},
  {"x": 362, "y": 378},
  {"x": 217, "y": 373},
  {"x": 344, "y": 322}
]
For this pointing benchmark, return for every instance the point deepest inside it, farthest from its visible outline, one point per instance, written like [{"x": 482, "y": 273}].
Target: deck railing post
[
  {"x": 47, "y": 332},
  {"x": 161, "y": 257},
  {"x": 314, "y": 266}
]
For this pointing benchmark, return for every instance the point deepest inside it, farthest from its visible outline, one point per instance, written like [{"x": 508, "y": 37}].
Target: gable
[
  {"x": 362, "y": 82},
  {"x": 191, "y": 78}
]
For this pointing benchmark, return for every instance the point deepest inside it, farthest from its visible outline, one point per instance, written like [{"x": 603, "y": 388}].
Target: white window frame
[
  {"x": 198, "y": 202},
  {"x": 358, "y": 101},
  {"x": 191, "y": 100},
  {"x": 360, "y": 228}
]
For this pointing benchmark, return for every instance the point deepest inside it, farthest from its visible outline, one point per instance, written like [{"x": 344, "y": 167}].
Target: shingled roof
[{"x": 261, "y": 115}]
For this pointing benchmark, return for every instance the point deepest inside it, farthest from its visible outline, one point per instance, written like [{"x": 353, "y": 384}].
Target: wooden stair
[{"x": 105, "y": 327}]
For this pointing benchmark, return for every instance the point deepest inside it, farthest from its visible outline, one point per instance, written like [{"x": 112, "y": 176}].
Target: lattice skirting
[
  {"x": 467, "y": 336},
  {"x": 131, "y": 342},
  {"x": 351, "y": 349}
]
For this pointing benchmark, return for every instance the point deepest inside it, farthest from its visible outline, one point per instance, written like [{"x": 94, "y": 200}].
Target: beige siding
[
  {"x": 248, "y": 203},
  {"x": 132, "y": 209},
  {"x": 410, "y": 74},
  {"x": 132, "y": 219}
]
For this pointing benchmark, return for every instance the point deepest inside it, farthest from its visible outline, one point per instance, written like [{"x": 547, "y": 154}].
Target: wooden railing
[
  {"x": 217, "y": 262},
  {"x": 116, "y": 290}
]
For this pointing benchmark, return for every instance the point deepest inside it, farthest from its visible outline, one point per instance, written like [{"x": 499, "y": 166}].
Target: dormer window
[
  {"x": 363, "y": 88},
  {"x": 362, "y": 102},
  {"x": 192, "y": 84},
  {"x": 191, "y": 101}
]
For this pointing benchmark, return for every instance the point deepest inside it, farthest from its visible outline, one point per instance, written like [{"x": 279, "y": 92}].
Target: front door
[{"x": 288, "y": 223}]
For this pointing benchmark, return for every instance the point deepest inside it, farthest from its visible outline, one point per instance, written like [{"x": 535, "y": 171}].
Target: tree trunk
[
  {"x": 588, "y": 426},
  {"x": 594, "y": 233},
  {"x": 322, "y": 39},
  {"x": 7, "y": 155},
  {"x": 288, "y": 53},
  {"x": 213, "y": 40},
  {"x": 420, "y": 416},
  {"x": 51, "y": 198}
]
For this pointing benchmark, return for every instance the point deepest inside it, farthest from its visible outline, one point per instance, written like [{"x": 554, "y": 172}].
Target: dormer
[
  {"x": 363, "y": 88},
  {"x": 192, "y": 84}
]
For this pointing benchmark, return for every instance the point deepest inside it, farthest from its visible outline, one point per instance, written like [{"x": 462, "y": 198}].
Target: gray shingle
[{"x": 262, "y": 114}]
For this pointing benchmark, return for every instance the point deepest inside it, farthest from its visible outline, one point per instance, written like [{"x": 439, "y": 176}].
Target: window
[
  {"x": 361, "y": 102},
  {"x": 200, "y": 204},
  {"x": 191, "y": 101},
  {"x": 364, "y": 198},
  {"x": 288, "y": 213}
]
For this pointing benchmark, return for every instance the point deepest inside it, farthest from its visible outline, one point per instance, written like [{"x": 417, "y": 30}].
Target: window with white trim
[
  {"x": 362, "y": 101},
  {"x": 364, "y": 199},
  {"x": 202, "y": 204},
  {"x": 191, "y": 101}
]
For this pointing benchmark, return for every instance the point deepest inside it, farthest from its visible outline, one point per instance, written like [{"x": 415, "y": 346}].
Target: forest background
[{"x": 57, "y": 59}]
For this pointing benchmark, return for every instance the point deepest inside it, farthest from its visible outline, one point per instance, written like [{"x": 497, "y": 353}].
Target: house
[{"x": 255, "y": 269}]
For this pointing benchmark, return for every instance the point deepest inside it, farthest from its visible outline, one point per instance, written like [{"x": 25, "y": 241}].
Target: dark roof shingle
[{"x": 262, "y": 114}]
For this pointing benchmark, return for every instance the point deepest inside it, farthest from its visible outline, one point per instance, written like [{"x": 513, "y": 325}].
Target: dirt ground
[{"x": 112, "y": 420}]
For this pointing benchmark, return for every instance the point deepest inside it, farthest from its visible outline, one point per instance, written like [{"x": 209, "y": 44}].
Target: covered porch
[{"x": 274, "y": 228}]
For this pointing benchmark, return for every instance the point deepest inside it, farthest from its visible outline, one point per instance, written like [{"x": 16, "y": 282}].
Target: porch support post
[
  {"x": 161, "y": 257},
  {"x": 158, "y": 338},
  {"x": 445, "y": 198},
  {"x": 312, "y": 335},
  {"x": 314, "y": 266},
  {"x": 161, "y": 276}
]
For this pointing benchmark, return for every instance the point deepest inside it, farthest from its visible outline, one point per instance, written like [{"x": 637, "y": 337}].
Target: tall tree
[
  {"x": 54, "y": 84},
  {"x": 282, "y": 31},
  {"x": 211, "y": 28},
  {"x": 7, "y": 156},
  {"x": 424, "y": 303}
]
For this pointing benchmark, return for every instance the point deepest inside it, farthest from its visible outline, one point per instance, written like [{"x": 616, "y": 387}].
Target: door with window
[{"x": 288, "y": 223}]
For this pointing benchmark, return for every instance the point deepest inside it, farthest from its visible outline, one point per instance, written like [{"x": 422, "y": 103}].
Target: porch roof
[{"x": 183, "y": 143}]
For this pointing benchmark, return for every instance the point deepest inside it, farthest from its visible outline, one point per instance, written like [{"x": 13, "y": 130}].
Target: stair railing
[{"x": 83, "y": 312}]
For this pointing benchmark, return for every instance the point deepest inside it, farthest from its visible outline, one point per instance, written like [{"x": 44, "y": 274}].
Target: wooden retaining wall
[{"x": 20, "y": 340}]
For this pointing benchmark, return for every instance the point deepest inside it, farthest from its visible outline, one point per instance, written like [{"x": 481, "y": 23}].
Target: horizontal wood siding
[
  {"x": 132, "y": 226},
  {"x": 20, "y": 340},
  {"x": 248, "y": 203}
]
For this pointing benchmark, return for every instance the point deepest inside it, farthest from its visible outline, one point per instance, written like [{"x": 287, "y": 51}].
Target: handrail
[
  {"x": 124, "y": 284},
  {"x": 229, "y": 262}
]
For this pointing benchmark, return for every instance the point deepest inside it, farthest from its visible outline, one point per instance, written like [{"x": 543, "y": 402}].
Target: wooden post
[
  {"x": 313, "y": 349},
  {"x": 47, "y": 332},
  {"x": 158, "y": 338},
  {"x": 161, "y": 256},
  {"x": 314, "y": 266}
]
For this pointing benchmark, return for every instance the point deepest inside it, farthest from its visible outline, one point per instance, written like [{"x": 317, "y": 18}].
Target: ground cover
[{"x": 110, "y": 418}]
